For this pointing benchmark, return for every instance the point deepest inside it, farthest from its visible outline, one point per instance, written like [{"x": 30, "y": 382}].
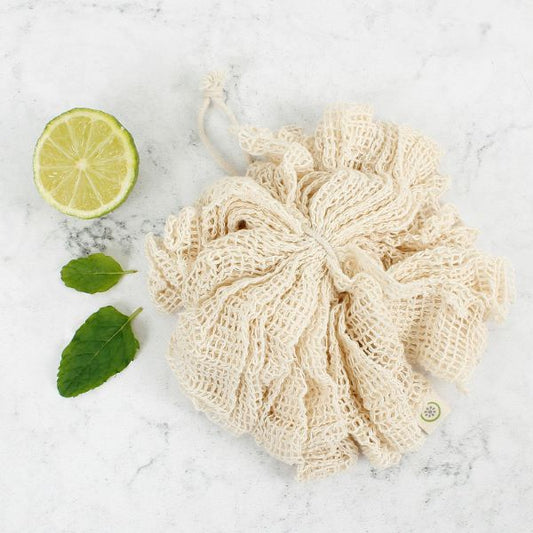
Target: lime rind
[{"x": 128, "y": 181}]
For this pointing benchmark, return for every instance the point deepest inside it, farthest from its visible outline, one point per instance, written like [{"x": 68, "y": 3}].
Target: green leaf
[
  {"x": 94, "y": 273},
  {"x": 103, "y": 346}
]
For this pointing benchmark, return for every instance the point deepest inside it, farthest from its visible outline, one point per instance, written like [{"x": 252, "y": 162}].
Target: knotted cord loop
[{"x": 213, "y": 91}]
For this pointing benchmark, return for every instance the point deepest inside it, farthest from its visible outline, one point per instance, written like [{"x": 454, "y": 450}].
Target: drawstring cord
[
  {"x": 365, "y": 262},
  {"x": 213, "y": 90}
]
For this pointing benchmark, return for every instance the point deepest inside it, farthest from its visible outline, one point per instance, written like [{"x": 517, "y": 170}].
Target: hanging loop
[{"x": 213, "y": 90}]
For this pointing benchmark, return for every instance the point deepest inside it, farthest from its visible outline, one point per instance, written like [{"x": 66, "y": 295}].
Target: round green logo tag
[{"x": 431, "y": 412}]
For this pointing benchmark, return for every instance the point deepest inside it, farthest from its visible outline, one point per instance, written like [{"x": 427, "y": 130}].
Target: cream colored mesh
[{"x": 315, "y": 291}]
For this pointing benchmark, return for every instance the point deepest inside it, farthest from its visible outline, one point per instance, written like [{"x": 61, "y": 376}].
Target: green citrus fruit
[{"x": 85, "y": 163}]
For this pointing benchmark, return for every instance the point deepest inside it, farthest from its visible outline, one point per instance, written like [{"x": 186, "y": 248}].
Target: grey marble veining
[{"x": 134, "y": 455}]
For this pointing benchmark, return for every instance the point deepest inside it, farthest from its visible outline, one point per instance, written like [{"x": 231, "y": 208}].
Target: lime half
[{"x": 85, "y": 163}]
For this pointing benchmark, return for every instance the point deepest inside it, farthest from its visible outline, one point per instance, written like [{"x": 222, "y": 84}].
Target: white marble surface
[{"x": 133, "y": 455}]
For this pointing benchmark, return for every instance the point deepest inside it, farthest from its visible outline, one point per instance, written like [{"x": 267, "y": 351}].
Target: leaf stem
[
  {"x": 129, "y": 271},
  {"x": 135, "y": 313}
]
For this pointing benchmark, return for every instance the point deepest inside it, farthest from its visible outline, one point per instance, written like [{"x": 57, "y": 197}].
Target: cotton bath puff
[{"x": 316, "y": 293}]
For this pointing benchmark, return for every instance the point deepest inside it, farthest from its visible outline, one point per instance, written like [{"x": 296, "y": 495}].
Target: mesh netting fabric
[{"x": 316, "y": 293}]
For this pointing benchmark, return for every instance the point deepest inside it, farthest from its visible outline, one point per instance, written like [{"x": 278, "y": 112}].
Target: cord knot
[
  {"x": 213, "y": 85},
  {"x": 342, "y": 282}
]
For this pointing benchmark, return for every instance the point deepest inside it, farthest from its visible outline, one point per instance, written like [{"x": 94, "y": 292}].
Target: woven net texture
[{"x": 317, "y": 293}]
